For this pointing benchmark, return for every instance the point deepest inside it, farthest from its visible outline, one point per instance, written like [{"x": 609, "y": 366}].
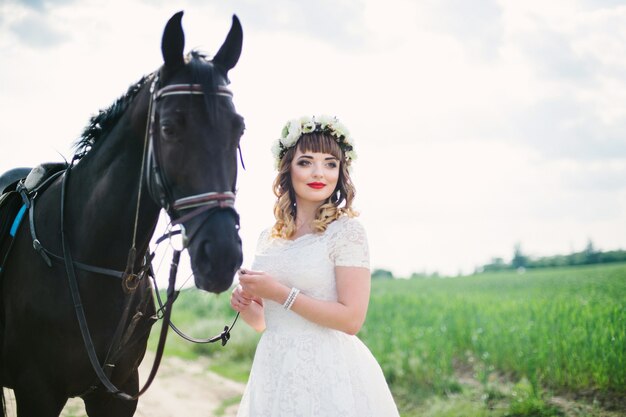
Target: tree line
[
  {"x": 588, "y": 256},
  {"x": 520, "y": 261}
]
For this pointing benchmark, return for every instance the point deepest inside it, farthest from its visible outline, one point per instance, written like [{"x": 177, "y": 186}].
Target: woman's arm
[{"x": 347, "y": 314}]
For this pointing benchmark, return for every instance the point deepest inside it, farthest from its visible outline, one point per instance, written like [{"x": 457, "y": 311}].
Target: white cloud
[{"x": 337, "y": 22}]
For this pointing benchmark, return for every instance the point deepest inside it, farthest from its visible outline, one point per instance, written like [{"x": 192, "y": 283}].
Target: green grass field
[{"x": 543, "y": 343}]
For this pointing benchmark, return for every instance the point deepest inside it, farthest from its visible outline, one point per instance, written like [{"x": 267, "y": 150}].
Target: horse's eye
[{"x": 167, "y": 131}]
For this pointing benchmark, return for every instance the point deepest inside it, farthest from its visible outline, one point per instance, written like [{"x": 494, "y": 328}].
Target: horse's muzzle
[{"x": 215, "y": 249}]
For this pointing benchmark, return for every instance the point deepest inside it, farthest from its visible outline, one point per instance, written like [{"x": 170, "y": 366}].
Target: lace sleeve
[
  {"x": 348, "y": 244},
  {"x": 263, "y": 241}
]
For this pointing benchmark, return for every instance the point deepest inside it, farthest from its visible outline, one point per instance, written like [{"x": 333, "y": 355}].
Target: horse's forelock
[{"x": 203, "y": 72}]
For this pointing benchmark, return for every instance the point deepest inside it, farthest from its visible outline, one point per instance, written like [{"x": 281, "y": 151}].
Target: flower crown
[{"x": 320, "y": 124}]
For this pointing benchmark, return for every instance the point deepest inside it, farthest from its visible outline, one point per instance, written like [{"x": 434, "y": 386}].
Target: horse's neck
[{"x": 102, "y": 197}]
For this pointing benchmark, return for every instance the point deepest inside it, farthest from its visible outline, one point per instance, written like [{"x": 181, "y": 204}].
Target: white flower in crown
[
  {"x": 294, "y": 130},
  {"x": 308, "y": 127},
  {"x": 340, "y": 130},
  {"x": 285, "y": 130},
  {"x": 276, "y": 149},
  {"x": 325, "y": 120}
]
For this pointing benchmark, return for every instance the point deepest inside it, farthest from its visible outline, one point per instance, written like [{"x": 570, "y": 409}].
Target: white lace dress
[{"x": 302, "y": 369}]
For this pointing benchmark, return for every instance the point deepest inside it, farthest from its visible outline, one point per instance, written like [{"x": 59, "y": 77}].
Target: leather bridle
[
  {"x": 160, "y": 191},
  {"x": 158, "y": 184}
]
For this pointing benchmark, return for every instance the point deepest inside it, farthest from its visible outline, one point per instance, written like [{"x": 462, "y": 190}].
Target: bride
[{"x": 309, "y": 285}]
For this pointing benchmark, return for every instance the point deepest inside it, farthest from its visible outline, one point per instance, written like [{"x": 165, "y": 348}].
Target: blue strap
[{"x": 18, "y": 220}]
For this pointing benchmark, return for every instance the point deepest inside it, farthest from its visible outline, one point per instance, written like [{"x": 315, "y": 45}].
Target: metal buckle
[{"x": 130, "y": 282}]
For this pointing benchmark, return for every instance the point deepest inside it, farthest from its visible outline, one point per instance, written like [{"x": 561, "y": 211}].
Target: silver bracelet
[{"x": 291, "y": 298}]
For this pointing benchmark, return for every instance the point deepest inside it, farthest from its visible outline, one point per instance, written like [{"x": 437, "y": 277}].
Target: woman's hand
[
  {"x": 240, "y": 300},
  {"x": 249, "y": 305},
  {"x": 262, "y": 285}
]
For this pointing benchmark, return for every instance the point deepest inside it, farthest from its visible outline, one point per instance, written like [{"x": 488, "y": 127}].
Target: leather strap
[
  {"x": 224, "y": 336},
  {"x": 78, "y": 305},
  {"x": 47, "y": 255},
  {"x": 82, "y": 320}
]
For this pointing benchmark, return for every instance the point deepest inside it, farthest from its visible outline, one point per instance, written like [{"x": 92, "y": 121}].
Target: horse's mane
[{"x": 101, "y": 124}]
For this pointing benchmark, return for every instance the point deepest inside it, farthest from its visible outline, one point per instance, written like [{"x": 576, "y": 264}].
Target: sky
[{"x": 479, "y": 124}]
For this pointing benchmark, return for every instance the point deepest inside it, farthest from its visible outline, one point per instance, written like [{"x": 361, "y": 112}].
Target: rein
[
  {"x": 158, "y": 188},
  {"x": 223, "y": 337}
]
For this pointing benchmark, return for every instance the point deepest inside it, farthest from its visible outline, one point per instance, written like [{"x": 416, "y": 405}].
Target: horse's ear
[
  {"x": 228, "y": 55},
  {"x": 173, "y": 42}
]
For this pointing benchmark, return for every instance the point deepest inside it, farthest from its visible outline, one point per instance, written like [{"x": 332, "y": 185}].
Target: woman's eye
[
  {"x": 303, "y": 163},
  {"x": 332, "y": 165}
]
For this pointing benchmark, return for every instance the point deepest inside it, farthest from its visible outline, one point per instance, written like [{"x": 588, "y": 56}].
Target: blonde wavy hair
[{"x": 338, "y": 204}]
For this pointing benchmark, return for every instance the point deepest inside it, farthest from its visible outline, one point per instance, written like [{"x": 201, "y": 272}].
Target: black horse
[{"x": 178, "y": 126}]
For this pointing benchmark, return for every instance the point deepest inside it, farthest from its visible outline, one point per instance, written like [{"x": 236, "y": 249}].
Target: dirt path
[
  {"x": 187, "y": 388},
  {"x": 181, "y": 388}
]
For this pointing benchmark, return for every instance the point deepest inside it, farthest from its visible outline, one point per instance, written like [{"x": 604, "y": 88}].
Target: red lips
[{"x": 316, "y": 185}]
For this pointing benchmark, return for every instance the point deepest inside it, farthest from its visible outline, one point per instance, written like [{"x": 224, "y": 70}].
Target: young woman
[{"x": 308, "y": 288}]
